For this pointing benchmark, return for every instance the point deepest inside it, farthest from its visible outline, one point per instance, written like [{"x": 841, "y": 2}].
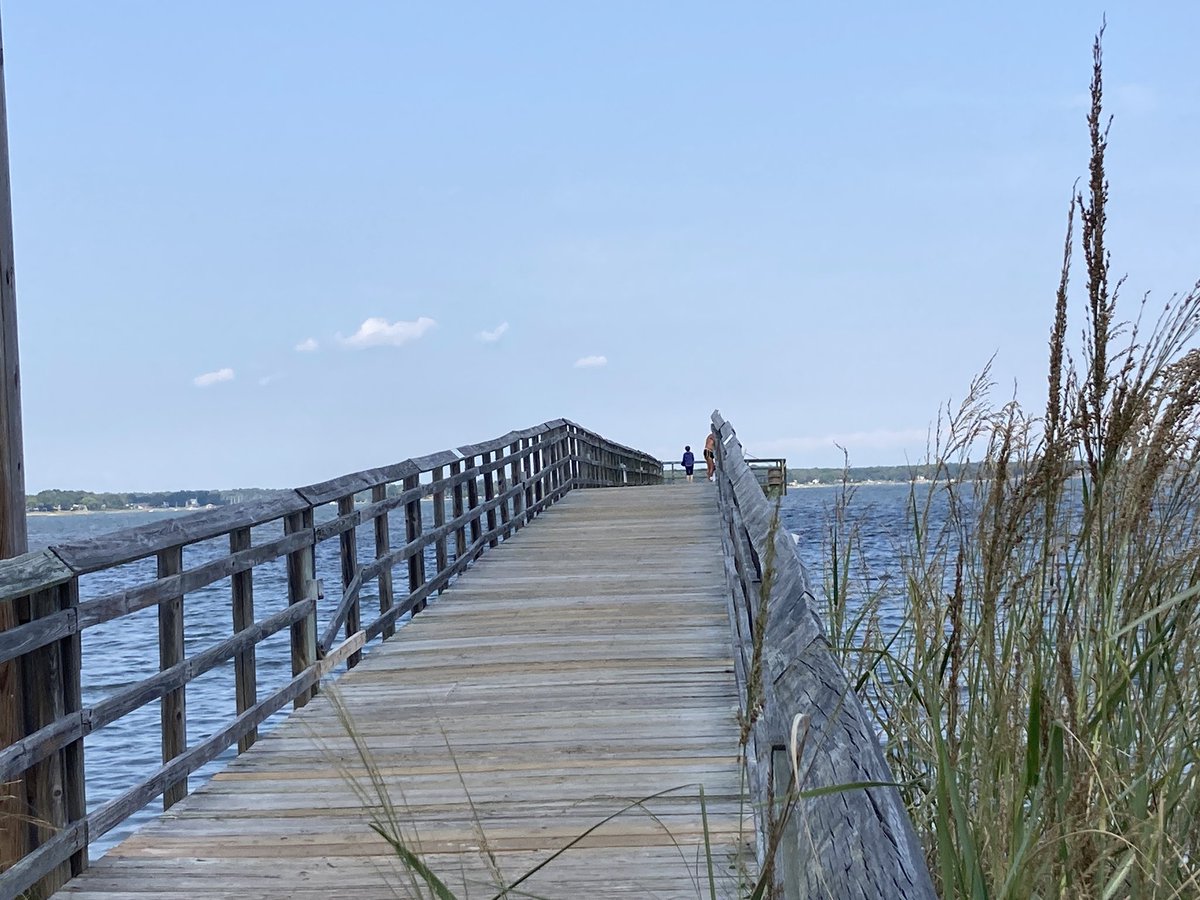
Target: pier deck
[{"x": 583, "y": 664}]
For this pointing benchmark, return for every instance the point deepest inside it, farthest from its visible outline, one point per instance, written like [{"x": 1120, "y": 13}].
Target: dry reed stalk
[{"x": 1044, "y": 702}]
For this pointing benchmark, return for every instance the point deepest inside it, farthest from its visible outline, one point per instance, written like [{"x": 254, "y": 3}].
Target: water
[
  {"x": 122, "y": 652},
  {"x": 878, "y": 512}
]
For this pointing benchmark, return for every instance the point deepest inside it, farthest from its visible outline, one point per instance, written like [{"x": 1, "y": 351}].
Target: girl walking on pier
[{"x": 689, "y": 461}]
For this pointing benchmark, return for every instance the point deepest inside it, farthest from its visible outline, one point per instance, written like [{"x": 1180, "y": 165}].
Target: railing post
[
  {"x": 573, "y": 450},
  {"x": 489, "y": 494},
  {"x": 348, "y": 545},
  {"x": 554, "y": 476},
  {"x": 54, "y": 786},
  {"x": 413, "y": 526},
  {"x": 13, "y": 534},
  {"x": 473, "y": 504},
  {"x": 439, "y": 519},
  {"x": 460, "y": 533},
  {"x": 501, "y": 489},
  {"x": 539, "y": 463},
  {"x": 173, "y": 711},
  {"x": 301, "y": 586},
  {"x": 383, "y": 546},
  {"x": 527, "y": 468},
  {"x": 245, "y": 672},
  {"x": 71, "y": 652},
  {"x": 561, "y": 457},
  {"x": 518, "y": 500}
]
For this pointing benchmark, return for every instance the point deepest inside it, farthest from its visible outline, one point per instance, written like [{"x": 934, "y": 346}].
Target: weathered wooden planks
[
  {"x": 857, "y": 842},
  {"x": 47, "y": 746},
  {"x": 582, "y": 664}
]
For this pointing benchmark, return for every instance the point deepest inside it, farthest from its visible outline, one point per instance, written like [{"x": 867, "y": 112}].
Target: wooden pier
[
  {"x": 585, "y": 664},
  {"x": 584, "y": 649}
]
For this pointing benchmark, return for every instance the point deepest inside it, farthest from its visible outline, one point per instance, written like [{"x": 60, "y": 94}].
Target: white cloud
[
  {"x": 267, "y": 379},
  {"x": 308, "y": 345},
  {"x": 495, "y": 334},
  {"x": 211, "y": 378},
  {"x": 591, "y": 362},
  {"x": 378, "y": 332}
]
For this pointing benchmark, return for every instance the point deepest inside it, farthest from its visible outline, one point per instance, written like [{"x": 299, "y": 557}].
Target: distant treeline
[
  {"x": 905, "y": 474},
  {"x": 56, "y": 500},
  {"x": 857, "y": 474}
]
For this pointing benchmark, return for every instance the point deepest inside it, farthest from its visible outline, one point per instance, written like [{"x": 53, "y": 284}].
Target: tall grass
[{"x": 1044, "y": 704}]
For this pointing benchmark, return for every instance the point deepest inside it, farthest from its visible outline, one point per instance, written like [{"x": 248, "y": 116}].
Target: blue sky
[{"x": 265, "y": 243}]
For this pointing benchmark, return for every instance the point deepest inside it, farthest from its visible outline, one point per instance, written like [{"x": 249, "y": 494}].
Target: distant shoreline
[{"x": 106, "y": 512}]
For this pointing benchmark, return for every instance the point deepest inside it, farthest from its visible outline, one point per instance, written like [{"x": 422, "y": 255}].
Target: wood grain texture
[
  {"x": 45, "y": 703},
  {"x": 439, "y": 520},
  {"x": 414, "y": 525},
  {"x": 120, "y": 603},
  {"x": 245, "y": 670},
  {"x": 302, "y": 586},
  {"x": 170, "y": 653},
  {"x": 50, "y": 739},
  {"x": 382, "y": 548},
  {"x": 582, "y": 664},
  {"x": 351, "y": 580},
  {"x": 854, "y": 843},
  {"x": 29, "y": 572},
  {"x": 13, "y": 537},
  {"x": 129, "y": 544}
]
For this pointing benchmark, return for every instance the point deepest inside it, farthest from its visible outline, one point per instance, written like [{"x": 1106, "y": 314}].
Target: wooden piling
[
  {"x": 245, "y": 668},
  {"x": 348, "y": 547},
  {"x": 301, "y": 586},
  {"x": 13, "y": 539},
  {"x": 173, "y": 712},
  {"x": 414, "y": 525},
  {"x": 382, "y": 548}
]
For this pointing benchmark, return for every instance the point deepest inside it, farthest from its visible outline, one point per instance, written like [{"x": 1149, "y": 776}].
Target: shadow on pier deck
[{"x": 583, "y": 664}]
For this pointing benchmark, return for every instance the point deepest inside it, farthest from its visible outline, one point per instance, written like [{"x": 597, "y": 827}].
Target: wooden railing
[
  {"x": 520, "y": 475},
  {"x": 835, "y": 839}
]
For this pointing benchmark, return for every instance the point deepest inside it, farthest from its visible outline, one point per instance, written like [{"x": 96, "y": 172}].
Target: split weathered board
[{"x": 584, "y": 664}]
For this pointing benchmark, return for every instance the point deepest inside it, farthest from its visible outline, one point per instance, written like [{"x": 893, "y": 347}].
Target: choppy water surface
[{"x": 122, "y": 652}]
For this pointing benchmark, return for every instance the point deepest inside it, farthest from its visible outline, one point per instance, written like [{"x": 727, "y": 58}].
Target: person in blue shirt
[{"x": 689, "y": 462}]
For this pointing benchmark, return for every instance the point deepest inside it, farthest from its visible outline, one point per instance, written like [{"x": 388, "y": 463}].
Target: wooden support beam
[
  {"x": 13, "y": 539},
  {"x": 413, "y": 526},
  {"x": 245, "y": 668},
  {"x": 501, "y": 489},
  {"x": 489, "y": 494},
  {"x": 460, "y": 534},
  {"x": 173, "y": 711},
  {"x": 383, "y": 548},
  {"x": 45, "y": 703},
  {"x": 348, "y": 545},
  {"x": 439, "y": 519},
  {"x": 527, "y": 469},
  {"x": 301, "y": 586},
  {"x": 473, "y": 503},
  {"x": 518, "y": 500}
]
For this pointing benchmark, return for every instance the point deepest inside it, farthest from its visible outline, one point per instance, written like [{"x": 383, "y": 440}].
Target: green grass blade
[{"x": 708, "y": 857}]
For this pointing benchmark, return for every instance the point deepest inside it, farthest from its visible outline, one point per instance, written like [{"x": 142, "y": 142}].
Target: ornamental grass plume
[{"x": 1043, "y": 702}]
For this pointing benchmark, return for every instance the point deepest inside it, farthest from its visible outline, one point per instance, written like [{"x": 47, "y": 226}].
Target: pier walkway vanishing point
[
  {"x": 582, "y": 665},
  {"x": 596, "y": 638}
]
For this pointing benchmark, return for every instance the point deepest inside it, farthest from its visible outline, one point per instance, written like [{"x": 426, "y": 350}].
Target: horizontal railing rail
[
  {"x": 492, "y": 490},
  {"x": 835, "y": 837}
]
